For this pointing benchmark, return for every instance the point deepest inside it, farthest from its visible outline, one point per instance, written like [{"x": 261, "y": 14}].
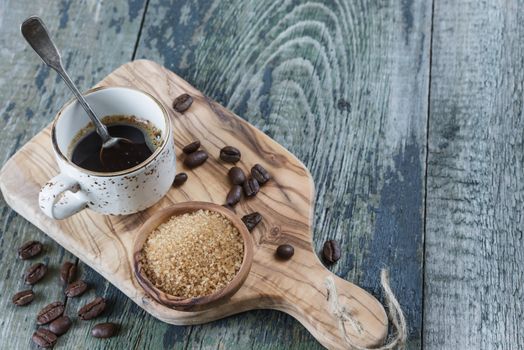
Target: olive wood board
[{"x": 296, "y": 287}]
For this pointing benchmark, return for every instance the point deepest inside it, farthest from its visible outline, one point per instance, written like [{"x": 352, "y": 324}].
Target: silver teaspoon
[{"x": 36, "y": 34}]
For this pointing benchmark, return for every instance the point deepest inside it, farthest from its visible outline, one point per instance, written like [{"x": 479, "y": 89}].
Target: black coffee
[{"x": 86, "y": 153}]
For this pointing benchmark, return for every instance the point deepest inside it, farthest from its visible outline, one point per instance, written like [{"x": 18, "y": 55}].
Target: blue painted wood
[
  {"x": 475, "y": 247},
  {"x": 95, "y": 37},
  {"x": 342, "y": 86}
]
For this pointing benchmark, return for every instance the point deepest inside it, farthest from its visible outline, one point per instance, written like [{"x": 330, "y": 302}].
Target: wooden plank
[
  {"x": 343, "y": 85},
  {"x": 475, "y": 251},
  {"x": 95, "y": 37}
]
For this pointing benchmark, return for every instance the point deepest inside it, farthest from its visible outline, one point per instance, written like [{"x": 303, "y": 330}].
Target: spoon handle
[{"x": 36, "y": 34}]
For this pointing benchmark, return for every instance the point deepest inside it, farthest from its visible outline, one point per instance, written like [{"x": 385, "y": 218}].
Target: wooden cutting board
[{"x": 297, "y": 286}]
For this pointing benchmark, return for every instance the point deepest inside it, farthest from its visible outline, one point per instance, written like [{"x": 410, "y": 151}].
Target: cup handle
[{"x": 62, "y": 197}]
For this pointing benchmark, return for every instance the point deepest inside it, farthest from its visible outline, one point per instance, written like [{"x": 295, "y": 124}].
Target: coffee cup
[{"x": 112, "y": 193}]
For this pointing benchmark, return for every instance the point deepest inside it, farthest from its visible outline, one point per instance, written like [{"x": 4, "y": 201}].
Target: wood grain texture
[
  {"x": 107, "y": 243},
  {"x": 94, "y": 37},
  {"x": 343, "y": 85},
  {"x": 475, "y": 223}
]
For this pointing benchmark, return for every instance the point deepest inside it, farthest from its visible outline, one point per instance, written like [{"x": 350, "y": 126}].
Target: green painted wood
[
  {"x": 474, "y": 240},
  {"x": 95, "y": 37},
  {"x": 344, "y": 86}
]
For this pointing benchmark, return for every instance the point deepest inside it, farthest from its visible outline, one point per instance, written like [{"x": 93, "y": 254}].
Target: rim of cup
[{"x": 157, "y": 151}]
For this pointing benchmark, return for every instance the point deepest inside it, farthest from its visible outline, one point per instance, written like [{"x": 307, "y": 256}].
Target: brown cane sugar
[{"x": 193, "y": 254}]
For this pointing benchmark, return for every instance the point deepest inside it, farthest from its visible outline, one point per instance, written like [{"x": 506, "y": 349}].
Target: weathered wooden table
[{"x": 408, "y": 113}]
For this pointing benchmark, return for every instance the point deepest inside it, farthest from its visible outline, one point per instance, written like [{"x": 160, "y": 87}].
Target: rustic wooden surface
[
  {"x": 108, "y": 243},
  {"x": 475, "y": 222},
  {"x": 356, "y": 71},
  {"x": 345, "y": 86},
  {"x": 30, "y": 95}
]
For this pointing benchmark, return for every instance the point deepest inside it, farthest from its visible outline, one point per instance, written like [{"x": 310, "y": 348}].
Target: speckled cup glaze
[{"x": 116, "y": 193}]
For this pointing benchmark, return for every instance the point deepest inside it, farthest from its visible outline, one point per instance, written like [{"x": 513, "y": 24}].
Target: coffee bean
[
  {"x": 195, "y": 159},
  {"x": 261, "y": 174},
  {"x": 75, "y": 289},
  {"x": 23, "y": 298},
  {"x": 236, "y": 175},
  {"x": 44, "y": 338},
  {"x": 251, "y": 220},
  {"x": 35, "y": 273},
  {"x": 180, "y": 179},
  {"x": 331, "y": 251},
  {"x": 192, "y": 147},
  {"x": 285, "y": 251},
  {"x": 50, "y": 312},
  {"x": 182, "y": 103},
  {"x": 104, "y": 330},
  {"x": 67, "y": 272},
  {"x": 230, "y": 154},
  {"x": 233, "y": 197},
  {"x": 93, "y": 309},
  {"x": 29, "y": 250},
  {"x": 60, "y": 325},
  {"x": 251, "y": 187}
]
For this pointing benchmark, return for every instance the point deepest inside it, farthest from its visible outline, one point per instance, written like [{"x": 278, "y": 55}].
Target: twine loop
[{"x": 344, "y": 315}]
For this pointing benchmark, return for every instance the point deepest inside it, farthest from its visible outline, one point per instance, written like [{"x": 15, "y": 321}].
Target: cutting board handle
[{"x": 329, "y": 306}]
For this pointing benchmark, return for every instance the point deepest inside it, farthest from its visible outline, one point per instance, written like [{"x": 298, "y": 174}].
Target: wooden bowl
[{"x": 202, "y": 302}]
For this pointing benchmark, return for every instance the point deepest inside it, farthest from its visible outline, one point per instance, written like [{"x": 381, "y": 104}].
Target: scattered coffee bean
[
  {"x": 44, "y": 338},
  {"x": 23, "y": 298},
  {"x": 331, "y": 251},
  {"x": 236, "y": 175},
  {"x": 35, "y": 273},
  {"x": 60, "y": 325},
  {"x": 180, "y": 179},
  {"x": 234, "y": 195},
  {"x": 75, "y": 289},
  {"x": 230, "y": 154},
  {"x": 104, "y": 330},
  {"x": 29, "y": 250},
  {"x": 50, "y": 312},
  {"x": 251, "y": 220},
  {"x": 192, "y": 147},
  {"x": 67, "y": 272},
  {"x": 251, "y": 187},
  {"x": 182, "y": 103},
  {"x": 195, "y": 159},
  {"x": 93, "y": 309},
  {"x": 285, "y": 251},
  {"x": 261, "y": 174}
]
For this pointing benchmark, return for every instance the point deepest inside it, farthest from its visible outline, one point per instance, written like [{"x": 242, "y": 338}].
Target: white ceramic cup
[{"x": 116, "y": 193}]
